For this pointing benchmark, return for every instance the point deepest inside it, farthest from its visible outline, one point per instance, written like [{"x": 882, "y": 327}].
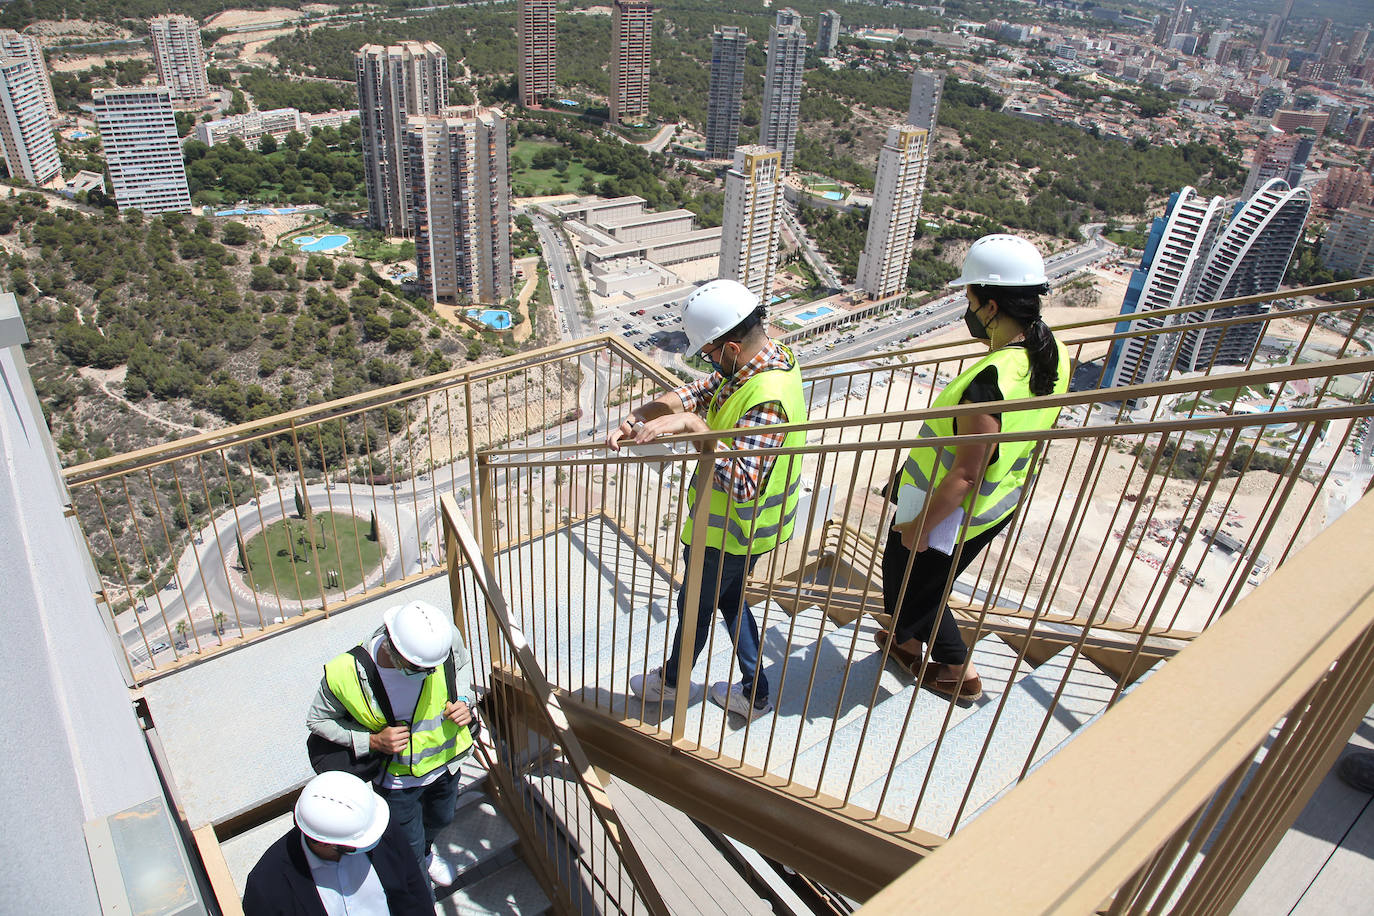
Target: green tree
[{"x": 374, "y": 533}]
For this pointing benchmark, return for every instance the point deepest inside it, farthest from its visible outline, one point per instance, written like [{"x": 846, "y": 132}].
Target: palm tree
[
  {"x": 219, "y": 622},
  {"x": 182, "y": 629}
]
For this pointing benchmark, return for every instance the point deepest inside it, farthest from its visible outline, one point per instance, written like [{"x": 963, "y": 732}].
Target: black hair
[
  {"x": 739, "y": 332},
  {"x": 1022, "y": 303}
]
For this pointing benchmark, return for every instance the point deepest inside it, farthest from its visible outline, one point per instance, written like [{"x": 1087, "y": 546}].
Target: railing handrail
[
  {"x": 341, "y": 408},
  {"x": 456, "y": 527},
  {"x": 1159, "y": 313},
  {"x": 1125, "y": 786},
  {"x": 1288, "y": 373}
]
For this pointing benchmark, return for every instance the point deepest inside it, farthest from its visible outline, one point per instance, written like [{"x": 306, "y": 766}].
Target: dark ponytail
[{"x": 1022, "y": 303}]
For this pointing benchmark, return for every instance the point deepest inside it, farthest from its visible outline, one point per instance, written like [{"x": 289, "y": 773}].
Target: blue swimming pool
[
  {"x": 496, "y": 319},
  {"x": 261, "y": 211},
  {"x": 325, "y": 243},
  {"x": 833, "y": 195},
  {"x": 819, "y": 311}
]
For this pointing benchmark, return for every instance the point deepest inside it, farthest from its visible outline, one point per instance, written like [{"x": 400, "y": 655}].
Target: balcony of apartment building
[{"x": 1174, "y": 636}]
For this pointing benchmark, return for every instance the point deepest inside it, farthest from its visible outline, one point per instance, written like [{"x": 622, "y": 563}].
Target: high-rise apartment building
[
  {"x": 897, "y": 192},
  {"x": 15, "y": 44},
  {"x": 1343, "y": 187},
  {"x": 1250, "y": 257},
  {"x": 1168, "y": 276},
  {"x": 728, "y": 44},
  {"x": 138, "y": 129},
  {"x": 1349, "y": 243},
  {"x": 179, "y": 57},
  {"x": 632, "y": 33},
  {"x": 752, "y": 219},
  {"x": 787, "y": 16},
  {"x": 782, "y": 89},
  {"x": 395, "y": 82},
  {"x": 927, "y": 87},
  {"x": 460, "y": 201},
  {"x": 537, "y": 43},
  {"x": 828, "y": 33},
  {"x": 25, "y": 131},
  {"x": 1273, "y": 158}
]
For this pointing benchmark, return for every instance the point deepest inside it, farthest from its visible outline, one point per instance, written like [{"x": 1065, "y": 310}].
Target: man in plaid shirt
[{"x": 757, "y": 385}]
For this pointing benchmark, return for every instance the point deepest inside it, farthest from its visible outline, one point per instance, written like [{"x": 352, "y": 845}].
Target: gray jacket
[{"x": 331, "y": 720}]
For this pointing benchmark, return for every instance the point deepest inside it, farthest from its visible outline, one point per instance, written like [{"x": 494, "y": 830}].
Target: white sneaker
[
  {"x": 733, "y": 698},
  {"x": 441, "y": 871},
  {"x": 654, "y": 688}
]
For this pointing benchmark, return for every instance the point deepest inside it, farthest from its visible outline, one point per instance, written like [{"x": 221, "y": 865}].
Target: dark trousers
[
  {"x": 731, "y": 570},
  {"x": 923, "y": 600},
  {"x": 424, "y": 811}
]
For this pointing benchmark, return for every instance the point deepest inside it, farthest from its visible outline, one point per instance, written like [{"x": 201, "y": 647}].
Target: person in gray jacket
[{"x": 424, "y": 733}]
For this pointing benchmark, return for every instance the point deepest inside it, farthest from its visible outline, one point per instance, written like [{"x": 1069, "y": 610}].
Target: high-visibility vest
[
  {"x": 434, "y": 739},
  {"x": 757, "y": 525},
  {"x": 1000, "y": 492}
]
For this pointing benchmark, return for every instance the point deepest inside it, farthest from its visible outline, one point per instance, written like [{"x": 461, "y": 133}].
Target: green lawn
[
  {"x": 527, "y": 181},
  {"x": 339, "y": 538}
]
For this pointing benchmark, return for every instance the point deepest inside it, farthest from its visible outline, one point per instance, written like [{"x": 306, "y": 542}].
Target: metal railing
[
  {"x": 1139, "y": 530},
  {"x": 1174, "y": 801},
  {"x": 558, "y": 802},
  {"x": 216, "y": 539}
]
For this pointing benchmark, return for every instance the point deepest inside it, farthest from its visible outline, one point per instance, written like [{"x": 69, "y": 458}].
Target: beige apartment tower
[
  {"x": 395, "y": 82},
  {"x": 179, "y": 57},
  {"x": 460, "y": 204},
  {"x": 632, "y": 33},
  {"x": 537, "y": 42},
  {"x": 15, "y": 44},
  {"x": 25, "y": 131},
  {"x": 897, "y": 192},
  {"x": 752, "y": 219}
]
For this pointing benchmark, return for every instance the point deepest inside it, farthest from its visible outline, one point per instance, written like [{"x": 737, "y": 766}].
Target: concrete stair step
[
  {"x": 1064, "y": 742},
  {"x": 509, "y": 891},
  {"x": 1008, "y": 731},
  {"x": 242, "y": 852},
  {"x": 872, "y": 737},
  {"x": 478, "y": 842}
]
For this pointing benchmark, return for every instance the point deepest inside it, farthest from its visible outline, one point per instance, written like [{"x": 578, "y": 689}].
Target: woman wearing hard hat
[{"x": 953, "y": 502}]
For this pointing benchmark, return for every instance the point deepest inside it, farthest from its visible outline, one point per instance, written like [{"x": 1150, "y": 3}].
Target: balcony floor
[{"x": 1323, "y": 864}]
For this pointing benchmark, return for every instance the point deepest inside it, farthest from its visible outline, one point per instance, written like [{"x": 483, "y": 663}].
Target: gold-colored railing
[
  {"x": 1133, "y": 536},
  {"x": 558, "y": 802},
  {"x": 1178, "y": 796},
  {"x": 331, "y": 505}
]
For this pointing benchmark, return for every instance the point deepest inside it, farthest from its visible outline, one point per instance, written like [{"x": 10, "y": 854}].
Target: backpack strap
[
  {"x": 374, "y": 680},
  {"x": 450, "y": 677}
]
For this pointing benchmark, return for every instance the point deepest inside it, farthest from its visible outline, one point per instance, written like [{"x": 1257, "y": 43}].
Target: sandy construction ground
[
  {"x": 232, "y": 19},
  {"x": 86, "y": 62}
]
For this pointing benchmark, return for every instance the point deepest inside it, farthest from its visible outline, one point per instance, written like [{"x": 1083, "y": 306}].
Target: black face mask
[{"x": 976, "y": 328}]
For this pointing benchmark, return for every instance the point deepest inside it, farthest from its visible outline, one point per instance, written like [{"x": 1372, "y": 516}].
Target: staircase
[
  {"x": 480, "y": 845},
  {"x": 848, "y": 738}
]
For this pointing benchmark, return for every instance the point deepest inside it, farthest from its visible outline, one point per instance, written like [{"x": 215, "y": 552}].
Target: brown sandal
[
  {"x": 939, "y": 680},
  {"x": 909, "y": 661}
]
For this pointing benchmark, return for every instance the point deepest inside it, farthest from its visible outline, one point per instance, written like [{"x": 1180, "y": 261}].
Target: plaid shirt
[{"x": 740, "y": 476}]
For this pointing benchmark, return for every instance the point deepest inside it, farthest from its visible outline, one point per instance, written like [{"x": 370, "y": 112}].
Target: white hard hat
[
  {"x": 421, "y": 632},
  {"x": 1002, "y": 260},
  {"x": 714, "y": 308},
  {"x": 338, "y": 807}
]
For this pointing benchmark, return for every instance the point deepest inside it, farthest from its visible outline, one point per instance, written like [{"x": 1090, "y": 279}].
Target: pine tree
[
  {"x": 374, "y": 534},
  {"x": 243, "y": 552},
  {"x": 300, "y": 503}
]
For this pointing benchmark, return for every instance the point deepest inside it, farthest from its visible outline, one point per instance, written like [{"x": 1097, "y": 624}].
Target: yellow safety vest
[
  {"x": 757, "y": 525},
  {"x": 1000, "y": 491},
  {"x": 434, "y": 740}
]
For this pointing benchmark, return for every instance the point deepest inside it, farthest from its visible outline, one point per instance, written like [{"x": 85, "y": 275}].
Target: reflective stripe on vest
[
  {"x": 1000, "y": 491},
  {"x": 434, "y": 740},
  {"x": 756, "y": 525}
]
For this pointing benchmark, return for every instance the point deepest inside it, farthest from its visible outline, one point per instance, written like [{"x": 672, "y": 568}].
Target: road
[{"x": 812, "y": 255}]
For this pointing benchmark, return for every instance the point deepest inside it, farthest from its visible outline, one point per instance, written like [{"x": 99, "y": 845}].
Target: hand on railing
[{"x": 390, "y": 740}]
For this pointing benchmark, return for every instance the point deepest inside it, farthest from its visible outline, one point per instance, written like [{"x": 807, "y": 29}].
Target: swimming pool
[
  {"x": 326, "y": 243},
  {"x": 496, "y": 319},
  {"x": 819, "y": 311},
  {"x": 261, "y": 211},
  {"x": 833, "y": 195}
]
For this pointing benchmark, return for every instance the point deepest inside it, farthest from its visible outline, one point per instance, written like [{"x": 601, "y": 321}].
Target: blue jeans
[
  {"x": 731, "y": 569},
  {"x": 423, "y": 811}
]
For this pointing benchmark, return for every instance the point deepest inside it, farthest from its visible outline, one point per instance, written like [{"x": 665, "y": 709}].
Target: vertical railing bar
[
  {"x": 310, "y": 522},
  {"x": 333, "y": 516},
  {"x": 122, "y": 566},
  {"x": 191, "y": 546},
  {"x": 167, "y": 538},
  {"x": 353, "y": 509}
]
